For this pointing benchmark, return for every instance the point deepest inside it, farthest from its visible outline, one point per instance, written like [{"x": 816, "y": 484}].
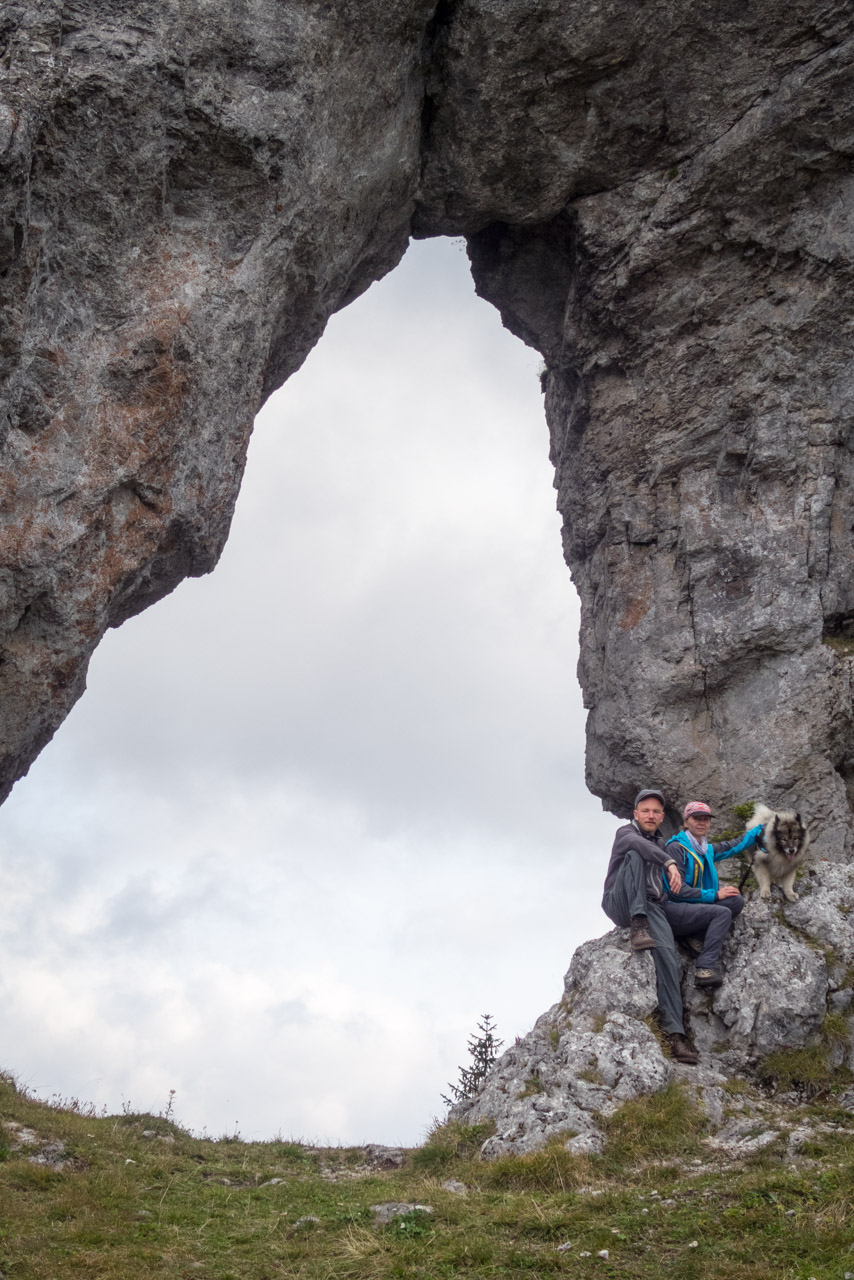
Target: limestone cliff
[{"x": 656, "y": 196}]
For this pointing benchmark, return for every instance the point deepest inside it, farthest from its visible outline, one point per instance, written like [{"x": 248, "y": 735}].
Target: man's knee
[
  {"x": 633, "y": 863},
  {"x": 627, "y": 894},
  {"x": 734, "y": 904}
]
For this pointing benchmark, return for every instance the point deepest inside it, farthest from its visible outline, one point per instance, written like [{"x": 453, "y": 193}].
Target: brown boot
[
  {"x": 680, "y": 1051},
  {"x": 639, "y": 934}
]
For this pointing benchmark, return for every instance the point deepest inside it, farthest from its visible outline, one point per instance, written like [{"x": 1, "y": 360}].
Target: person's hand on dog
[
  {"x": 727, "y": 891},
  {"x": 674, "y": 877}
]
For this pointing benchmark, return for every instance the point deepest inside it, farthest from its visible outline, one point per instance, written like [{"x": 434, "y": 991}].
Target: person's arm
[
  {"x": 628, "y": 839},
  {"x": 687, "y": 893},
  {"x": 674, "y": 875},
  {"x": 743, "y": 844},
  {"x": 673, "y": 879}
]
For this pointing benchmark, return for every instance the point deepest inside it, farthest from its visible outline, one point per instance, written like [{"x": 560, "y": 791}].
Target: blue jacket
[{"x": 698, "y": 873}]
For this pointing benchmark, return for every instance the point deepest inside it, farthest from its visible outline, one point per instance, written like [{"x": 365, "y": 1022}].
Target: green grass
[
  {"x": 449, "y": 1143},
  {"x": 736, "y": 1087},
  {"x": 843, "y": 645},
  {"x": 532, "y": 1085},
  {"x": 835, "y": 1029},
  {"x": 805, "y": 1069},
  {"x": 126, "y": 1207},
  {"x": 662, "y": 1124},
  {"x": 809, "y": 1069}
]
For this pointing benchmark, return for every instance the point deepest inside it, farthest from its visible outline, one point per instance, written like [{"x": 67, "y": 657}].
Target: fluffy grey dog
[{"x": 785, "y": 841}]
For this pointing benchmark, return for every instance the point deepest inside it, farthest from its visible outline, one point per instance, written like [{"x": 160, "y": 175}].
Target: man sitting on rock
[
  {"x": 713, "y": 907},
  {"x": 634, "y": 897}
]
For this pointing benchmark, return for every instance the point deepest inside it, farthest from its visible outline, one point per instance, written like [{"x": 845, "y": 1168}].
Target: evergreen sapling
[{"x": 483, "y": 1050}]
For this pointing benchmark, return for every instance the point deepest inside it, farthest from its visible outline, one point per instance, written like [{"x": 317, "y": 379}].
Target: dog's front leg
[
  {"x": 763, "y": 879},
  {"x": 787, "y": 884}
]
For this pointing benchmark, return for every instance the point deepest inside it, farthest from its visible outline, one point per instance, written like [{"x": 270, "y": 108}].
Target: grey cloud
[{"x": 333, "y": 794}]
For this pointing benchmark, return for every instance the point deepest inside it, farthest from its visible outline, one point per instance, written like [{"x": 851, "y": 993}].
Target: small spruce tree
[{"x": 483, "y": 1050}]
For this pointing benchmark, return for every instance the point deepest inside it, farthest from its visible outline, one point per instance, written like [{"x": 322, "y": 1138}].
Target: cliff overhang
[{"x": 659, "y": 200}]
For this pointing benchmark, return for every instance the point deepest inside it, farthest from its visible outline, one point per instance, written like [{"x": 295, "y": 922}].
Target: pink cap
[{"x": 695, "y": 806}]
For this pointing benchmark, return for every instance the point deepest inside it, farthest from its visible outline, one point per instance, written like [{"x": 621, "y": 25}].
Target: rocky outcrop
[
  {"x": 188, "y": 193},
  {"x": 659, "y": 199},
  {"x": 787, "y": 966}
]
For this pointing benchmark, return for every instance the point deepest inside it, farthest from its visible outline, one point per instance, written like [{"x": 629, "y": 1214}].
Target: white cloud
[{"x": 321, "y": 810}]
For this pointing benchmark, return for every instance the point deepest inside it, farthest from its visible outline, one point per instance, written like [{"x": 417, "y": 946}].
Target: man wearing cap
[
  {"x": 634, "y": 897},
  {"x": 711, "y": 907}
]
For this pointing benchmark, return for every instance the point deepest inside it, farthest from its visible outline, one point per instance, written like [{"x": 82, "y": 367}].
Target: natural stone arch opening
[{"x": 165, "y": 926}]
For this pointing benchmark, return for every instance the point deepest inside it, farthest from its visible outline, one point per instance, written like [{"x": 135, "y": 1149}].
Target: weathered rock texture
[
  {"x": 657, "y": 196},
  {"x": 190, "y": 190},
  {"x": 786, "y": 968}
]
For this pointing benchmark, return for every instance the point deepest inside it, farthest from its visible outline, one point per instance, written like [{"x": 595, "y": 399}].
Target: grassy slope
[{"x": 127, "y": 1206}]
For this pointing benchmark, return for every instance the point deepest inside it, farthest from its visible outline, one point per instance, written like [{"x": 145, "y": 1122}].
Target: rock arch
[{"x": 658, "y": 199}]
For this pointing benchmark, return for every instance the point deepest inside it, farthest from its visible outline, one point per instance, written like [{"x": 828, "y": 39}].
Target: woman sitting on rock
[{"x": 695, "y": 857}]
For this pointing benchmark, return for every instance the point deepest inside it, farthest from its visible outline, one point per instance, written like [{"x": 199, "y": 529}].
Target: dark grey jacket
[{"x": 650, "y": 848}]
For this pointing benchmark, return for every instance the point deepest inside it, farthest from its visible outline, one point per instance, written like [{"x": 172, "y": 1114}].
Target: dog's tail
[{"x": 761, "y": 814}]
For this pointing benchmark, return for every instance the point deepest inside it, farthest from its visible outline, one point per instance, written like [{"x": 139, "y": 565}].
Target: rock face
[
  {"x": 787, "y": 966},
  {"x": 657, "y": 197},
  {"x": 692, "y": 301},
  {"x": 188, "y": 193}
]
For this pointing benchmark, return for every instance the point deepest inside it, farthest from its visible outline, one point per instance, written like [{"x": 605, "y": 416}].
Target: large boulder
[{"x": 786, "y": 967}]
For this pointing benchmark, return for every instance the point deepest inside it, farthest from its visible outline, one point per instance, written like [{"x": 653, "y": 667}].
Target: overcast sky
[{"x": 320, "y": 810}]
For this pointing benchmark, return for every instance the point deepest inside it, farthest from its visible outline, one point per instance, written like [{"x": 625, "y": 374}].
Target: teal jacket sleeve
[{"x": 730, "y": 848}]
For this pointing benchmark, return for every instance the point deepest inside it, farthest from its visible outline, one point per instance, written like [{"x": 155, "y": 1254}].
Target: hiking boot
[
  {"x": 639, "y": 934},
  {"x": 708, "y": 977},
  {"x": 680, "y": 1051}
]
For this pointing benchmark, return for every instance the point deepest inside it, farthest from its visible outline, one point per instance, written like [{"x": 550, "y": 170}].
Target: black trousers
[{"x": 710, "y": 921}]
